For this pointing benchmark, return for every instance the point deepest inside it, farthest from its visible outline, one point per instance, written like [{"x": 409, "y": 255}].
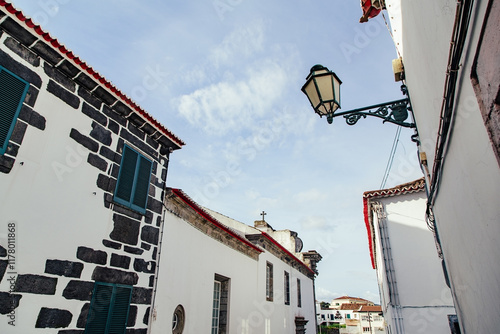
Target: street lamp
[{"x": 322, "y": 88}]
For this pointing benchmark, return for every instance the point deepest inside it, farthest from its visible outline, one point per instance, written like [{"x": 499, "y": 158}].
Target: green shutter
[
  {"x": 12, "y": 93},
  {"x": 108, "y": 313},
  {"x": 132, "y": 188},
  {"x": 127, "y": 173},
  {"x": 99, "y": 309},
  {"x": 142, "y": 182},
  {"x": 119, "y": 313}
]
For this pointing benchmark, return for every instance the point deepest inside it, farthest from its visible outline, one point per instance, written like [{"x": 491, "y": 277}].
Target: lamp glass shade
[{"x": 322, "y": 88}]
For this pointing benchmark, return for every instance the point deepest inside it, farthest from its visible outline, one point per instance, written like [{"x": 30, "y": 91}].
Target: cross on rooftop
[{"x": 263, "y": 214}]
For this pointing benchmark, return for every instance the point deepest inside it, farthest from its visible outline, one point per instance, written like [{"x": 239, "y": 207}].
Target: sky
[{"x": 225, "y": 76}]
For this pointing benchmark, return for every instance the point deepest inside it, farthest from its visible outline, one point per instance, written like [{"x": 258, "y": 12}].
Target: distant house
[
  {"x": 82, "y": 179},
  {"x": 413, "y": 292},
  {"x": 231, "y": 277}
]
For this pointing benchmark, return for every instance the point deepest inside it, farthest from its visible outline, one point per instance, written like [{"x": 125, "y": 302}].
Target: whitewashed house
[
  {"x": 85, "y": 215},
  {"x": 229, "y": 276},
  {"x": 450, "y": 52},
  {"x": 413, "y": 293}
]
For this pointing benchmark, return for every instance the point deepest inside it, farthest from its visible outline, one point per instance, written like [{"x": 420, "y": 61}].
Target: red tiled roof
[
  {"x": 406, "y": 188},
  {"x": 346, "y": 307},
  {"x": 374, "y": 308},
  {"x": 61, "y": 49}
]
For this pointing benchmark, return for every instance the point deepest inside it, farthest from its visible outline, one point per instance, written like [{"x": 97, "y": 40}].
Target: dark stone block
[
  {"x": 22, "y": 51},
  {"x": 97, "y": 162},
  {"x": 113, "y": 126},
  {"x": 149, "y": 129},
  {"x": 104, "y": 95},
  {"x": 84, "y": 140},
  {"x": 92, "y": 256},
  {"x": 155, "y": 252},
  {"x": 101, "y": 134},
  {"x": 3, "y": 251},
  {"x": 136, "y": 120},
  {"x": 145, "y": 320},
  {"x": 47, "y": 52},
  {"x": 18, "y": 133},
  {"x": 142, "y": 266},
  {"x": 106, "y": 183},
  {"x": 53, "y": 318},
  {"x": 148, "y": 217},
  {"x": 64, "y": 268},
  {"x": 154, "y": 205},
  {"x": 12, "y": 149},
  {"x": 127, "y": 212},
  {"x": 68, "y": 68},
  {"x": 158, "y": 221},
  {"x": 84, "y": 80},
  {"x": 79, "y": 290},
  {"x": 115, "y": 170},
  {"x": 122, "y": 109},
  {"x": 151, "y": 281},
  {"x": 112, "y": 114},
  {"x": 164, "y": 175},
  {"x": 111, "y": 244},
  {"x": 89, "y": 98},
  {"x": 137, "y": 331},
  {"x": 150, "y": 234},
  {"x": 22, "y": 71},
  {"x": 94, "y": 114},
  {"x": 3, "y": 268},
  {"x": 108, "y": 200},
  {"x": 81, "y": 322},
  {"x": 66, "y": 96},
  {"x": 125, "y": 230},
  {"x": 108, "y": 275},
  {"x": 110, "y": 154},
  {"x": 6, "y": 164},
  {"x": 41, "y": 285},
  {"x": 165, "y": 141},
  {"x": 71, "y": 331},
  {"x": 145, "y": 246},
  {"x": 134, "y": 130},
  {"x": 151, "y": 142},
  {"x": 21, "y": 34},
  {"x": 133, "y": 250},
  {"x": 141, "y": 295},
  {"x": 132, "y": 316},
  {"x": 31, "y": 96},
  {"x": 32, "y": 117},
  {"x": 120, "y": 261},
  {"x": 59, "y": 77},
  {"x": 8, "y": 302}
]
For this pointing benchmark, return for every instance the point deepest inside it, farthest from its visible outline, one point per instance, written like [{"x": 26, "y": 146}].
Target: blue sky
[{"x": 225, "y": 76}]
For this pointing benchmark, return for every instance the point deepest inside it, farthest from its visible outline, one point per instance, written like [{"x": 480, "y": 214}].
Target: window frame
[
  {"x": 286, "y": 287},
  {"x": 269, "y": 282},
  {"x": 133, "y": 191},
  {"x": 111, "y": 306},
  {"x": 3, "y": 147},
  {"x": 299, "y": 293}
]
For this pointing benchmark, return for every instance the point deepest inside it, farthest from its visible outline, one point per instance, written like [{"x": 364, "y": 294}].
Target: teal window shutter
[
  {"x": 12, "y": 93},
  {"x": 108, "y": 313},
  {"x": 132, "y": 187}
]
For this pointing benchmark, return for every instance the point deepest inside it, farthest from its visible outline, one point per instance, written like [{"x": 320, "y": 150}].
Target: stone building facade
[{"x": 82, "y": 173}]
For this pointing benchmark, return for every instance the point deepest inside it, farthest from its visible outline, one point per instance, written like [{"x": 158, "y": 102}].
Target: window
[
  {"x": 108, "y": 313},
  {"x": 366, "y": 329},
  {"x": 132, "y": 187},
  {"x": 220, "y": 305},
  {"x": 287, "y": 288},
  {"x": 12, "y": 93},
  {"x": 269, "y": 281},
  {"x": 178, "y": 320},
  {"x": 299, "y": 294}
]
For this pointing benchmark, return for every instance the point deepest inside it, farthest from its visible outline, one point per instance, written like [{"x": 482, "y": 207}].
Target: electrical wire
[{"x": 391, "y": 158}]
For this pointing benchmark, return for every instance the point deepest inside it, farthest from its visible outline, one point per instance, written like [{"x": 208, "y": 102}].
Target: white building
[
  {"x": 450, "y": 51},
  {"x": 265, "y": 286},
  {"x": 413, "y": 293},
  {"x": 84, "y": 219}
]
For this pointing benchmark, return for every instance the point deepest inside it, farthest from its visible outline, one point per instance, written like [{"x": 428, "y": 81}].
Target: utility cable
[{"x": 391, "y": 158}]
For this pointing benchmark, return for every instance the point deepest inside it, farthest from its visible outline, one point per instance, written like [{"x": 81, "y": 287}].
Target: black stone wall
[{"x": 129, "y": 252}]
